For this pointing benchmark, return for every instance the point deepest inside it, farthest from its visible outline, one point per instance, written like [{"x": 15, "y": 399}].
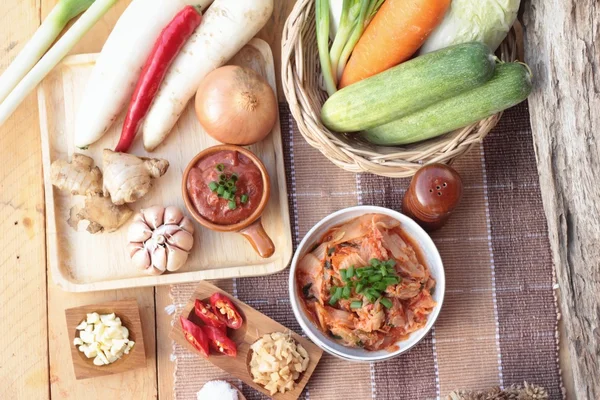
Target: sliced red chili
[
  {"x": 195, "y": 335},
  {"x": 219, "y": 341},
  {"x": 226, "y": 311},
  {"x": 207, "y": 316}
]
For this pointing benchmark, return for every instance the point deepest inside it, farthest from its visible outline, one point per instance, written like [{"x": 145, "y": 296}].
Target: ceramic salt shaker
[{"x": 434, "y": 193}]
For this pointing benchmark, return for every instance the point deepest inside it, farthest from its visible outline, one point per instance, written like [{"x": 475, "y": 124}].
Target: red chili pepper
[
  {"x": 219, "y": 341},
  {"x": 208, "y": 316},
  {"x": 195, "y": 335},
  {"x": 226, "y": 311},
  {"x": 166, "y": 48}
]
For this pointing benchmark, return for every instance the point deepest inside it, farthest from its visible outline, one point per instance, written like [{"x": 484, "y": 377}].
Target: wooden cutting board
[
  {"x": 83, "y": 262},
  {"x": 255, "y": 326}
]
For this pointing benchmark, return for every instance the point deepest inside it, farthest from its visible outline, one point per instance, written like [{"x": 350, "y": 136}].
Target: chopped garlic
[
  {"x": 103, "y": 338},
  {"x": 277, "y": 361}
]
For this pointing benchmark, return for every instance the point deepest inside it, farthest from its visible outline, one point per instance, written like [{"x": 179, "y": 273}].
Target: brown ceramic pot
[
  {"x": 251, "y": 227},
  {"x": 434, "y": 193}
]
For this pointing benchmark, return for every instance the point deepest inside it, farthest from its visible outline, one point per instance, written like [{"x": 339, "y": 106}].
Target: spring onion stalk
[
  {"x": 368, "y": 10},
  {"x": 350, "y": 12},
  {"x": 61, "y": 14},
  {"x": 322, "y": 22},
  {"x": 54, "y": 56}
]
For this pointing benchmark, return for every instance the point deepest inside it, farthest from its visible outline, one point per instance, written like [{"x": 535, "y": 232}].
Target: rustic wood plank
[
  {"x": 562, "y": 43},
  {"x": 23, "y": 331},
  {"x": 139, "y": 384}
]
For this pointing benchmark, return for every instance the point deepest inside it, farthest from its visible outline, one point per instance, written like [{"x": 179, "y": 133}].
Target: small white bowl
[{"x": 432, "y": 259}]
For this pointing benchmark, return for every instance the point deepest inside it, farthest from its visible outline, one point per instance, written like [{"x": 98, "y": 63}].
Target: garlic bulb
[{"x": 160, "y": 239}]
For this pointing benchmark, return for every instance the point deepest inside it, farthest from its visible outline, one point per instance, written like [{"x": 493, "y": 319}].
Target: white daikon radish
[
  {"x": 120, "y": 63},
  {"x": 226, "y": 27}
]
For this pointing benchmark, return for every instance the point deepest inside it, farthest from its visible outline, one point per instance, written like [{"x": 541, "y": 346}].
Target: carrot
[{"x": 393, "y": 36}]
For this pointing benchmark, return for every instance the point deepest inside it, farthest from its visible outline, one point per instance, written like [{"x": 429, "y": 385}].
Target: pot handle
[{"x": 258, "y": 238}]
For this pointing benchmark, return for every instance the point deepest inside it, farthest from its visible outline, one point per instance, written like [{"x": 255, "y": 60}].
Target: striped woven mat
[{"x": 498, "y": 325}]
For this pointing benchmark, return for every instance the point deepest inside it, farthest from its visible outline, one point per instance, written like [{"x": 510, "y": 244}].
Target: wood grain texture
[
  {"x": 23, "y": 333},
  {"x": 129, "y": 313},
  {"x": 562, "y": 44},
  {"x": 83, "y": 262},
  {"x": 255, "y": 326},
  {"x": 133, "y": 385}
]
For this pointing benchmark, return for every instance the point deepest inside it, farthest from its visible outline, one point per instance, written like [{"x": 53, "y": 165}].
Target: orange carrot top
[{"x": 396, "y": 32}]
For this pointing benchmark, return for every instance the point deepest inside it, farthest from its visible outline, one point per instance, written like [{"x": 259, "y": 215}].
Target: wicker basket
[{"x": 301, "y": 79}]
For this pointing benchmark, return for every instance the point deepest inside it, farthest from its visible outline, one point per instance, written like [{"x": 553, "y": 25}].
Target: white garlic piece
[{"x": 160, "y": 239}]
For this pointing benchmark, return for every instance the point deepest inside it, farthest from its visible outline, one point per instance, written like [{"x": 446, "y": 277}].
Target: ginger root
[
  {"x": 101, "y": 213},
  {"x": 78, "y": 176},
  {"x": 128, "y": 178}
]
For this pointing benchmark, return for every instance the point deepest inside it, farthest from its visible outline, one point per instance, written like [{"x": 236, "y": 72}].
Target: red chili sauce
[{"x": 225, "y": 187}]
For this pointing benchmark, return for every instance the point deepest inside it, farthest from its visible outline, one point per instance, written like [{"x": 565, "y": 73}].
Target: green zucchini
[
  {"x": 408, "y": 87},
  {"x": 510, "y": 85}
]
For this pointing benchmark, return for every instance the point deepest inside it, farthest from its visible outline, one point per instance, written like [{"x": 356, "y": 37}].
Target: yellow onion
[{"x": 235, "y": 105}]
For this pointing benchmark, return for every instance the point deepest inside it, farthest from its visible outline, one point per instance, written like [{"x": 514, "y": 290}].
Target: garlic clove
[
  {"x": 138, "y": 232},
  {"x": 187, "y": 225},
  {"x": 175, "y": 257},
  {"x": 173, "y": 215},
  {"x": 159, "y": 259},
  {"x": 141, "y": 258},
  {"x": 154, "y": 216},
  {"x": 182, "y": 239}
]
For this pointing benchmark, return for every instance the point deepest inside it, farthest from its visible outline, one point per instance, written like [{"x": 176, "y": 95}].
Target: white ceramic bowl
[{"x": 432, "y": 259}]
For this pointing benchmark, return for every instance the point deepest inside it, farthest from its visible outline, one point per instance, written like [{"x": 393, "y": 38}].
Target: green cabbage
[{"x": 486, "y": 21}]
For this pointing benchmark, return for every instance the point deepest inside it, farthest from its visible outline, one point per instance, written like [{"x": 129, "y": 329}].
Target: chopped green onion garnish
[
  {"x": 213, "y": 186},
  {"x": 356, "y": 304},
  {"x": 220, "y": 167},
  {"x": 234, "y": 177},
  {"x": 343, "y": 275},
  {"x": 375, "y": 278},
  {"x": 346, "y": 292},
  {"x": 244, "y": 198},
  {"x": 386, "y": 302},
  {"x": 226, "y": 194},
  {"x": 374, "y": 262},
  {"x": 223, "y": 177},
  {"x": 220, "y": 190},
  {"x": 359, "y": 287},
  {"x": 231, "y": 205},
  {"x": 350, "y": 272},
  {"x": 230, "y": 184}
]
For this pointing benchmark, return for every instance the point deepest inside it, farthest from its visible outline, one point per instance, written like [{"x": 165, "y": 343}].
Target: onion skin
[{"x": 235, "y": 105}]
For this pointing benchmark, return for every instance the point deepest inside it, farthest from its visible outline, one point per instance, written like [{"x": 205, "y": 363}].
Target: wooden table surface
[{"x": 34, "y": 347}]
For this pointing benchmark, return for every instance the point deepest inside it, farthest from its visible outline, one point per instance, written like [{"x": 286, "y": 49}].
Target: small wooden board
[
  {"x": 129, "y": 313},
  {"x": 255, "y": 326},
  {"x": 82, "y": 262}
]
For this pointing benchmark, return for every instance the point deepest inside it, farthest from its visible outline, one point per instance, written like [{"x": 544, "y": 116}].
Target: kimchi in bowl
[{"x": 366, "y": 283}]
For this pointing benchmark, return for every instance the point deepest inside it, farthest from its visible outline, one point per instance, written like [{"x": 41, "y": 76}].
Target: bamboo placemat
[{"x": 498, "y": 326}]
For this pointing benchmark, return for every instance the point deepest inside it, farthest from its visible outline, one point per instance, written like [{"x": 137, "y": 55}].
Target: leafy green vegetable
[{"x": 486, "y": 21}]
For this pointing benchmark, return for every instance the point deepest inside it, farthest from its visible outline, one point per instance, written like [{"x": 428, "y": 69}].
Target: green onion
[
  {"x": 220, "y": 167},
  {"x": 375, "y": 278},
  {"x": 213, "y": 186},
  {"x": 346, "y": 292},
  {"x": 244, "y": 199},
  {"x": 356, "y": 304},
  {"x": 220, "y": 190},
  {"x": 234, "y": 177},
  {"x": 367, "y": 12},
  {"x": 230, "y": 184},
  {"x": 350, "y": 272},
  {"x": 13, "y": 89},
  {"x": 387, "y": 303},
  {"x": 343, "y": 275},
  {"x": 383, "y": 271},
  {"x": 374, "y": 262},
  {"x": 334, "y": 299},
  {"x": 359, "y": 287},
  {"x": 339, "y": 291},
  {"x": 322, "y": 24},
  {"x": 351, "y": 10},
  {"x": 231, "y": 205},
  {"x": 223, "y": 178},
  {"x": 226, "y": 194}
]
